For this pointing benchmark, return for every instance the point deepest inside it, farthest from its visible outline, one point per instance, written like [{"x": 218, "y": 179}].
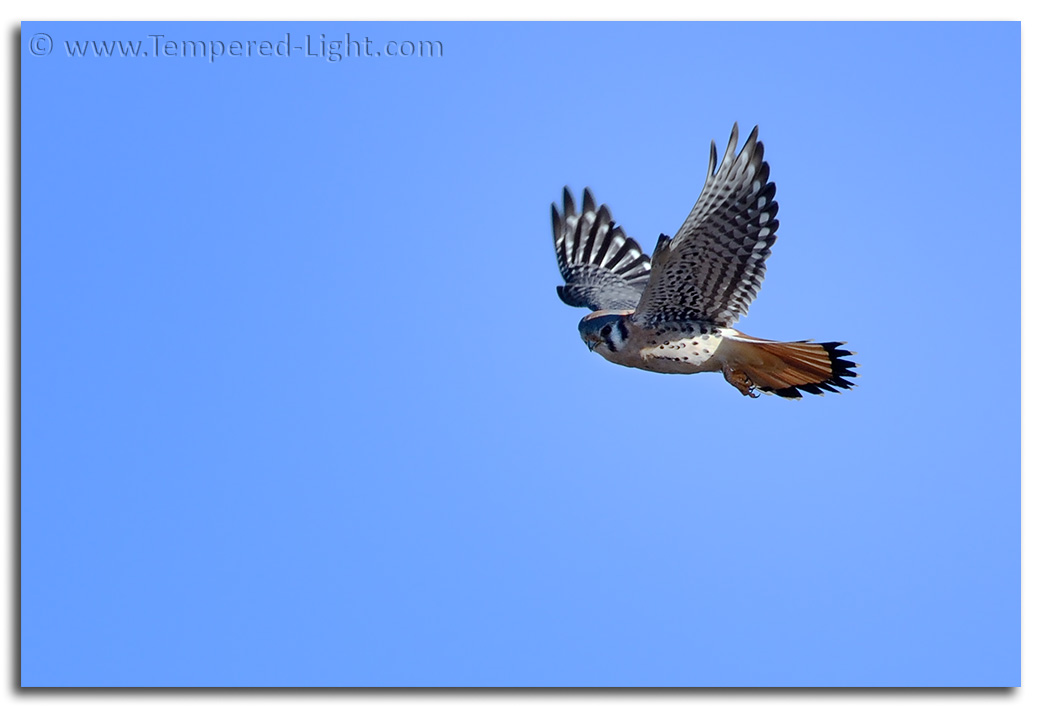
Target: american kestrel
[{"x": 673, "y": 313}]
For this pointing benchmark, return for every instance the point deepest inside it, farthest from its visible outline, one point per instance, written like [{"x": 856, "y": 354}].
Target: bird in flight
[{"x": 672, "y": 313}]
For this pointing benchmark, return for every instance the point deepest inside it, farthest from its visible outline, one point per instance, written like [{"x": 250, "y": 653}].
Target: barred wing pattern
[
  {"x": 602, "y": 268},
  {"x": 713, "y": 268}
]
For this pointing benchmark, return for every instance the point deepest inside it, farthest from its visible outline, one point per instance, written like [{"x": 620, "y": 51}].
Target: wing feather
[
  {"x": 602, "y": 268},
  {"x": 714, "y": 266}
]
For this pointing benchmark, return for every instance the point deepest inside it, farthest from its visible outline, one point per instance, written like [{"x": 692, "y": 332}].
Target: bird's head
[{"x": 605, "y": 331}]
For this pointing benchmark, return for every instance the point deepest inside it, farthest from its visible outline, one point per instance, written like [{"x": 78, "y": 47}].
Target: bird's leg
[{"x": 739, "y": 379}]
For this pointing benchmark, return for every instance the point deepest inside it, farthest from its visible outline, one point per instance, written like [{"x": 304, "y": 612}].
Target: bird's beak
[{"x": 591, "y": 344}]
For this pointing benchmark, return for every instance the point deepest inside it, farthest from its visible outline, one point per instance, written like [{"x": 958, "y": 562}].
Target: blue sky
[{"x": 300, "y": 405}]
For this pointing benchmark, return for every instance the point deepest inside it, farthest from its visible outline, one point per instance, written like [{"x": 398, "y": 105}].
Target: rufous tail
[{"x": 786, "y": 368}]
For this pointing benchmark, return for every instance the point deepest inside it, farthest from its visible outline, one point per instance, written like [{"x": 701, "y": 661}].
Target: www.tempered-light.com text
[{"x": 322, "y": 47}]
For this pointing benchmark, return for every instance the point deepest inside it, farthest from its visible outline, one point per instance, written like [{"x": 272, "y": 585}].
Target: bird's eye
[{"x": 605, "y": 331}]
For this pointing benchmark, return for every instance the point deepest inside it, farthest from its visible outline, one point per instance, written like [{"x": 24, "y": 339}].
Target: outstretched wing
[
  {"x": 713, "y": 268},
  {"x": 602, "y": 268}
]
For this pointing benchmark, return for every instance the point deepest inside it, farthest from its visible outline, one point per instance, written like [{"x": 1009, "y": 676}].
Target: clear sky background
[{"x": 300, "y": 405}]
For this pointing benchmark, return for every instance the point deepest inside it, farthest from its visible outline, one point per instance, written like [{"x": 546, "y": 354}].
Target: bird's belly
[{"x": 682, "y": 354}]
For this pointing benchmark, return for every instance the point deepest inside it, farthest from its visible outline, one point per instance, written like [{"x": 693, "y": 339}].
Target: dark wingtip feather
[
  {"x": 751, "y": 142},
  {"x": 569, "y": 203},
  {"x": 732, "y": 144},
  {"x": 588, "y": 202}
]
